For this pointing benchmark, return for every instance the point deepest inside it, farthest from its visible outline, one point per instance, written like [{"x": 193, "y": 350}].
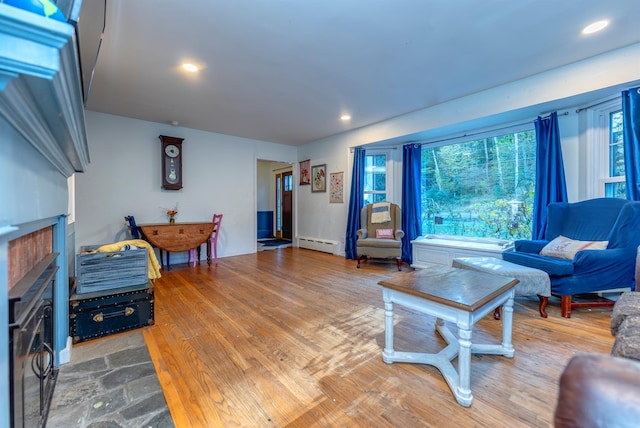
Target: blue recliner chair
[{"x": 604, "y": 219}]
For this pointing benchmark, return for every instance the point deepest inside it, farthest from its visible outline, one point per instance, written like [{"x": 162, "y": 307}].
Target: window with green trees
[
  {"x": 480, "y": 188},
  {"x": 375, "y": 178}
]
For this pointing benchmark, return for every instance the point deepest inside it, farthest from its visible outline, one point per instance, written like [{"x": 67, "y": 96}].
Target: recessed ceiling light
[
  {"x": 595, "y": 27},
  {"x": 190, "y": 67},
  {"x": 345, "y": 117}
]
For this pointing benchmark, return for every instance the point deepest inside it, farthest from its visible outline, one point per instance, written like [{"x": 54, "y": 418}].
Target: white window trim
[
  {"x": 389, "y": 170},
  {"x": 597, "y": 144}
]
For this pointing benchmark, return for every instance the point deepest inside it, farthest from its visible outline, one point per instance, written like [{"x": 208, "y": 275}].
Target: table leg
[
  {"x": 507, "y": 327},
  {"x": 387, "y": 354},
  {"x": 463, "y": 391}
]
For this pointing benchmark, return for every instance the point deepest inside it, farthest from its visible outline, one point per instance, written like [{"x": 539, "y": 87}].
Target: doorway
[
  {"x": 284, "y": 205},
  {"x": 274, "y": 202}
]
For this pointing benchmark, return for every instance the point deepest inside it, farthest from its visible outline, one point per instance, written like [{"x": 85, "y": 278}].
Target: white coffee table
[{"x": 457, "y": 295}]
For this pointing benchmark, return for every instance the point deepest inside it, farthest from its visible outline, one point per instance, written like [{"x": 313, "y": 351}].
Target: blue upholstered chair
[{"x": 616, "y": 221}]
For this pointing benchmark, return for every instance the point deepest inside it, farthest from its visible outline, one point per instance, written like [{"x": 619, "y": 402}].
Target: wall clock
[{"x": 171, "y": 162}]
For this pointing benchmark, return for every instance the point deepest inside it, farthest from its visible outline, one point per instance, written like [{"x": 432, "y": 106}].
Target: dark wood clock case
[{"x": 171, "y": 165}]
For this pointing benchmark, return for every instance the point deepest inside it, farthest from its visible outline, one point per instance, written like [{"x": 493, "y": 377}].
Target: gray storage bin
[{"x": 109, "y": 270}]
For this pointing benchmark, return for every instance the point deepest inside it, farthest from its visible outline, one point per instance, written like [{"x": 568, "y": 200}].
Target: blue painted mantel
[
  {"x": 40, "y": 87},
  {"x": 43, "y": 140}
]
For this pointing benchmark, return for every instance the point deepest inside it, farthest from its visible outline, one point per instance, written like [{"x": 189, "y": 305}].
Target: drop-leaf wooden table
[{"x": 178, "y": 237}]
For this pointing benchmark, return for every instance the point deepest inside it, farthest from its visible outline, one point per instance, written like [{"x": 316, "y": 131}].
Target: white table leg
[
  {"x": 463, "y": 390},
  {"x": 507, "y": 326},
  {"x": 387, "y": 354}
]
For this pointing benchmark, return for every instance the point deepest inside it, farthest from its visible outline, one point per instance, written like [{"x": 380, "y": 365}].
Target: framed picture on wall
[
  {"x": 336, "y": 191},
  {"x": 305, "y": 173},
  {"x": 319, "y": 178}
]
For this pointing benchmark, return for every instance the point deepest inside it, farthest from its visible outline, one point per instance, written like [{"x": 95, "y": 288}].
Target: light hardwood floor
[{"x": 293, "y": 338}]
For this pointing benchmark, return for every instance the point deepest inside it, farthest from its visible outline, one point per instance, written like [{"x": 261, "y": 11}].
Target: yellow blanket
[
  {"x": 380, "y": 212},
  {"x": 153, "y": 267}
]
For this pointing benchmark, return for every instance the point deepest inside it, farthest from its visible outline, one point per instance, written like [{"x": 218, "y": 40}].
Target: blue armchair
[{"x": 604, "y": 219}]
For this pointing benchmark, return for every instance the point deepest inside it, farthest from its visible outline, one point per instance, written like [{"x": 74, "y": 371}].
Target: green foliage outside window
[{"x": 480, "y": 188}]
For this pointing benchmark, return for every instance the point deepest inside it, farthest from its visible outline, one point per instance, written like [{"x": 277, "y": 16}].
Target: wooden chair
[
  {"x": 213, "y": 243},
  {"x": 213, "y": 240}
]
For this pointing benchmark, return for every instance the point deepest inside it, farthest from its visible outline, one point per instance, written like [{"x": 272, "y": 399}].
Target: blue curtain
[
  {"x": 356, "y": 202},
  {"x": 550, "y": 182},
  {"x": 411, "y": 200},
  {"x": 631, "y": 123}
]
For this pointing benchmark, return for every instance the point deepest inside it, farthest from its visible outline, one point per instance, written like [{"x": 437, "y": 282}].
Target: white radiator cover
[
  {"x": 319, "y": 244},
  {"x": 442, "y": 249}
]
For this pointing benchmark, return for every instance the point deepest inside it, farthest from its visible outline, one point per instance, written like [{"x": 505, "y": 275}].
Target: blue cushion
[{"x": 551, "y": 265}]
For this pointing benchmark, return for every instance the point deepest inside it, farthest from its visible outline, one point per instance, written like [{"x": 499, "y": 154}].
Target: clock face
[{"x": 172, "y": 150}]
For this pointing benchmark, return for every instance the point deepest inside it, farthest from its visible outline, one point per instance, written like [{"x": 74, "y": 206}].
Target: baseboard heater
[{"x": 319, "y": 244}]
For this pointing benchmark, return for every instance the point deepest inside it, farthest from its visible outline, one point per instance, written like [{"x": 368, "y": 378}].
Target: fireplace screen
[{"x": 32, "y": 369}]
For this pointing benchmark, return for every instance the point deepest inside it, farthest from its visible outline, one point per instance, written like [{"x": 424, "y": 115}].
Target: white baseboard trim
[
  {"x": 318, "y": 244},
  {"x": 65, "y": 355}
]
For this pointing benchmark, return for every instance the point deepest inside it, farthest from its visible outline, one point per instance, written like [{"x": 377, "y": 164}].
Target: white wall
[
  {"x": 568, "y": 125},
  {"x": 32, "y": 188},
  {"x": 265, "y": 187},
  {"x": 124, "y": 178},
  {"x": 511, "y": 103}
]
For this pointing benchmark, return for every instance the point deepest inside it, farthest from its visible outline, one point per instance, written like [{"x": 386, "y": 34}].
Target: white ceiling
[{"x": 285, "y": 70}]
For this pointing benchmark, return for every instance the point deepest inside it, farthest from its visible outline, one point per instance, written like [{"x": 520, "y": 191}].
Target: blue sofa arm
[
  {"x": 529, "y": 245},
  {"x": 614, "y": 259},
  {"x": 551, "y": 265},
  {"x": 597, "y": 270}
]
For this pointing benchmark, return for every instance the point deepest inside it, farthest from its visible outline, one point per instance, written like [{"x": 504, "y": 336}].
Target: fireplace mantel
[
  {"x": 43, "y": 131},
  {"x": 40, "y": 87}
]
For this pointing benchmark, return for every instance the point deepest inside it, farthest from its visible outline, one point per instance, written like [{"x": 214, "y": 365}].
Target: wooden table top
[
  {"x": 176, "y": 237},
  {"x": 460, "y": 288}
]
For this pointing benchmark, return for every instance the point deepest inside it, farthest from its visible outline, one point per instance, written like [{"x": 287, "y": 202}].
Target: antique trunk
[
  {"x": 109, "y": 270},
  {"x": 102, "y": 313}
]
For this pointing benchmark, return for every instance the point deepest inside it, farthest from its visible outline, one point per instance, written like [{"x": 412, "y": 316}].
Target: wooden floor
[{"x": 293, "y": 338}]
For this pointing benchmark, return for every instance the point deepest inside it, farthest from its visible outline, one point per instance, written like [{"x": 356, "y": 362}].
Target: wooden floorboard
[{"x": 294, "y": 337}]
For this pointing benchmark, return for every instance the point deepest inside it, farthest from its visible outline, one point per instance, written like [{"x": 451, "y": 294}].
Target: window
[
  {"x": 375, "y": 177},
  {"x": 615, "y": 184},
  {"x": 604, "y": 137},
  {"x": 608, "y": 138},
  {"x": 480, "y": 188}
]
